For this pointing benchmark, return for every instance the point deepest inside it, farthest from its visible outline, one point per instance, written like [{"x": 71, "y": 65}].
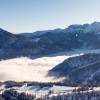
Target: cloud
[{"x": 25, "y": 69}]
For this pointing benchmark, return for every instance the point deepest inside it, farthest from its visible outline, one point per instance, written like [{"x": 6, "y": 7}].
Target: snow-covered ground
[{"x": 38, "y": 91}]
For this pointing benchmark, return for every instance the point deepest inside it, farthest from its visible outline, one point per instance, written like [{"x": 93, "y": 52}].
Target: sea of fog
[{"x": 25, "y": 69}]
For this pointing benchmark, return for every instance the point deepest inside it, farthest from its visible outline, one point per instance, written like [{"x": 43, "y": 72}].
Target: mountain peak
[
  {"x": 93, "y": 27},
  {"x": 4, "y": 32},
  {"x": 1, "y": 30},
  {"x": 95, "y": 22}
]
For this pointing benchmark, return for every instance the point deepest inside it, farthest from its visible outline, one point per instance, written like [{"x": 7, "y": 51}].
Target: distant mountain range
[
  {"x": 82, "y": 69},
  {"x": 42, "y": 43}
]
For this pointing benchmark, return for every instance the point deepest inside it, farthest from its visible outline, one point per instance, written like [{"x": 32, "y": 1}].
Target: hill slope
[{"x": 79, "y": 69}]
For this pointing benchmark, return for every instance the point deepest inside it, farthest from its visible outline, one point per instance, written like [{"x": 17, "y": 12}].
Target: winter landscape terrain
[{"x": 60, "y": 64}]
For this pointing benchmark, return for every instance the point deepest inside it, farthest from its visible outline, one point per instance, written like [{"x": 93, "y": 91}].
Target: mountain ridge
[{"x": 50, "y": 41}]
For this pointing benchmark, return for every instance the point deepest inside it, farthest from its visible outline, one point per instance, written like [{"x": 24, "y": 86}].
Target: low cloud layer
[{"x": 25, "y": 69}]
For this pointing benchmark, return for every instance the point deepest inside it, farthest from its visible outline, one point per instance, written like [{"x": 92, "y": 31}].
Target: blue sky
[{"x": 32, "y": 15}]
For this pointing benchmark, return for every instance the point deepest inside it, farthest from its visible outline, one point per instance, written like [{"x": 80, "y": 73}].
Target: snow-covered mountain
[
  {"x": 83, "y": 69},
  {"x": 89, "y": 74},
  {"x": 86, "y": 28},
  {"x": 40, "y": 33},
  {"x": 55, "y": 45},
  {"x": 94, "y": 27},
  {"x": 12, "y": 45},
  {"x": 47, "y": 42}
]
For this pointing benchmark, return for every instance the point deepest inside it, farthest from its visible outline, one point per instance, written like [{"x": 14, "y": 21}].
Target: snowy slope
[
  {"x": 38, "y": 91},
  {"x": 62, "y": 91}
]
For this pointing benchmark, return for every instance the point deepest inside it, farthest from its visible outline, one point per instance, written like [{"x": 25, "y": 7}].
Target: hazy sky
[{"x": 31, "y": 15}]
